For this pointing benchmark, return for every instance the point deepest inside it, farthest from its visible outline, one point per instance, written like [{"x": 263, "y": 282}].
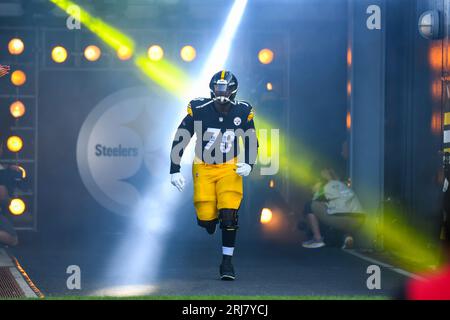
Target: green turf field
[{"x": 218, "y": 298}]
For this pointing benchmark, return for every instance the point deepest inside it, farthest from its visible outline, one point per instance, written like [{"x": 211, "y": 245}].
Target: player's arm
[
  {"x": 183, "y": 135},
  {"x": 250, "y": 147}
]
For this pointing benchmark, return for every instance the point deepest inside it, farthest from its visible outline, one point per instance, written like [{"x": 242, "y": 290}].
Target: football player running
[{"x": 219, "y": 123}]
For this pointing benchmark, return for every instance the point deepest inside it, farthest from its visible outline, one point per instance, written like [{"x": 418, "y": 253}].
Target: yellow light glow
[
  {"x": 163, "y": 73},
  {"x": 17, "y": 109},
  {"x": 266, "y": 215},
  {"x": 272, "y": 183},
  {"x": 16, "y": 46},
  {"x": 92, "y": 53},
  {"x": 269, "y": 86},
  {"x": 349, "y": 57},
  {"x": 188, "y": 53},
  {"x": 348, "y": 120},
  {"x": 24, "y": 172},
  {"x": 17, "y": 207},
  {"x": 126, "y": 291},
  {"x": 299, "y": 153},
  {"x": 155, "y": 53},
  {"x": 436, "y": 122},
  {"x": 14, "y": 144},
  {"x": 124, "y": 53},
  {"x": 18, "y": 78},
  {"x": 59, "y": 54},
  {"x": 435, "y": 57},
  {"x": 265, "y": 56}
]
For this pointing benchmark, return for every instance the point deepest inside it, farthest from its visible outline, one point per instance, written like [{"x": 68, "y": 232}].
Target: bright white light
[
  {"x": 138, "y": 258},
  {"x": 125, "y": 291},
  {"x": 221, "y": 50},
  {"x": 216, "y": 61}
]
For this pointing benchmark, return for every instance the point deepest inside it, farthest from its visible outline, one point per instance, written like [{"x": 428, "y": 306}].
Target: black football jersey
[{"x": 218, "y": 134}]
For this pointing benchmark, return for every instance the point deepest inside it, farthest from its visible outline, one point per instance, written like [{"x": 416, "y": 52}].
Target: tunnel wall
[
  {"x": 395, "y": 104},
  {"x": 413, "y": 115},
  {"x": 366, "y": 91},
  {"x": 317, "y": 90}
]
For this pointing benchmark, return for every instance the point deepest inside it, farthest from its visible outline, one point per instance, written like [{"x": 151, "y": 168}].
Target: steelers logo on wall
[{"x": 122, "y": 147}]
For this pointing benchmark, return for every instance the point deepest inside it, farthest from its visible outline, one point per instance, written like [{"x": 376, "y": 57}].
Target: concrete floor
[{"x": 190, "y": 267}]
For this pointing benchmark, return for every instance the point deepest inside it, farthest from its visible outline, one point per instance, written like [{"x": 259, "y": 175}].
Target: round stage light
[
  {"x": 14, "y": 144},
  {"x": 155, "y": 53},
  {"x": 17, "y": 109},
  {"x": 266, "y": 215},
  {"x": 188, "y": 53},
  {"x": 269, "y": 86},
  {"x": 59, "y": 54},
  {"x": 92, "y": 53},
  {"x": 17, "y": 206},
  {"x": 16, "y": 46},
  {"x": 265, "y": 56},
  {"x": 18, "y": 78},
  {"x": 124, "y": 53}
]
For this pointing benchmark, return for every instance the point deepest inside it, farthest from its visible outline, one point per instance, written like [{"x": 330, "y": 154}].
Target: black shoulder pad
[
  {"x": 199, "y": 102},
  {"x": 245, "y": 104},
  {"x": 247, "y": 110}
]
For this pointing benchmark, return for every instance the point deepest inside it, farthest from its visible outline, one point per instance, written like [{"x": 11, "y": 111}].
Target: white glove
[
  {"x": 177, "y": 180},
  {"x": 243, "y": 169}
]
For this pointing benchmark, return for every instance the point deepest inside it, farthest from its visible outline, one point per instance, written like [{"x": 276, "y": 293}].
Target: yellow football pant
[{"x": 216, "y": 186}]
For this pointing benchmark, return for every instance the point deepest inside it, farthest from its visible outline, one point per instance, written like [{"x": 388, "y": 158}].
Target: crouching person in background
[
  {"x": 333, "y": 205},
  {"x": 8, "y": 235}
]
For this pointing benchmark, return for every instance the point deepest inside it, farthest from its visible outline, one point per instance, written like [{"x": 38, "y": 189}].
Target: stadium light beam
[
  {"x": 221, "y": 50},
  {"x": 107, "y": 33},
  {"x": 163, "y": 73},
  {"x": 144, "y": 260},
  {"x": 162, "y": 195}
]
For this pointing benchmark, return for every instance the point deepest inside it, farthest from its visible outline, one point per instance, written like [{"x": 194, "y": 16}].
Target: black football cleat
[
  {"x": 226, "y": 269},
  {"x": 211, "y": 228}
]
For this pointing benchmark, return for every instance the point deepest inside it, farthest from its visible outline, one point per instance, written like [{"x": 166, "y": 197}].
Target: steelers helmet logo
[{"x": 237, "y": 121}]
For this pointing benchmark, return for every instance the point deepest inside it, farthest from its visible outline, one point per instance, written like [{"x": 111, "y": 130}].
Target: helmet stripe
[{"x": 222, "y": 76}]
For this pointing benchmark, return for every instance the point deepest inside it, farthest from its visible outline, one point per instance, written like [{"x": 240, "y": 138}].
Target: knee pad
[
  {"x": 206, "y": 224},
  {"x": 228, "y": 219}
]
